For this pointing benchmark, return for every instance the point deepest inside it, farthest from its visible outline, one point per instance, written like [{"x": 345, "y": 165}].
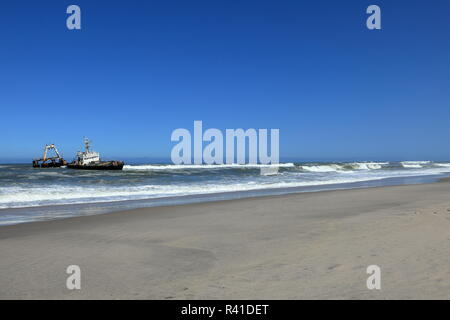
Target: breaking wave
[
  {"x": 204, "y": 166},
  {"x": 55, "y": 194},
  {"x": 21, "y": 186},
  {"x": 344, "y": 167},
  {"x": 446, "y": 165},
  {"x": 414, "y": 164}
]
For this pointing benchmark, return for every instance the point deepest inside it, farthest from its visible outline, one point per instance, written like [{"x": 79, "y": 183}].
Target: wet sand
[{"x": 299, "y": 246}]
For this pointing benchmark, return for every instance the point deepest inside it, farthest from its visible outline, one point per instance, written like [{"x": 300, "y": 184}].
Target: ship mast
[{"x": 86, "y": 144}]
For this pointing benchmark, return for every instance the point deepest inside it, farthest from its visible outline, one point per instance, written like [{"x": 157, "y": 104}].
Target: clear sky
[{"x": 140, "y": 69}]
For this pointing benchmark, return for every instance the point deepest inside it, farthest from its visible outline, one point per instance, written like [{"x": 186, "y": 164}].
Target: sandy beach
[{"x": 300, "y": 246}]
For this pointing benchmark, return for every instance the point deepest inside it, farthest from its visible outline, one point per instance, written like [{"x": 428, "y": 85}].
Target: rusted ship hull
[
  {"x": 104, "y": 165},
  {"x": 38, "y": 164}
]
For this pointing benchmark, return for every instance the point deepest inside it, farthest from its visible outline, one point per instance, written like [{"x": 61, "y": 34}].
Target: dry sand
[{"x": 302, "y": 246}]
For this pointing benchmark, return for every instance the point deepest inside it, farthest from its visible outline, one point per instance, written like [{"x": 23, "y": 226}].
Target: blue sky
[{"x": 140, "y": 69}]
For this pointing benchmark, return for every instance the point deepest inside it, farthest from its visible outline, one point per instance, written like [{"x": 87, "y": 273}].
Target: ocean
[{"x": 28, "y": 194}]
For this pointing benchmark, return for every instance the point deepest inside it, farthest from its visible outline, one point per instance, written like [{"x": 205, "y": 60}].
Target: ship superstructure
[
  {"x": 90, "y": 160},
  {"x": 87, "y": 157}
]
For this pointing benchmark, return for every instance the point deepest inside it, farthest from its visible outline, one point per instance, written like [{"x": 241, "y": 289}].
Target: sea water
[{"x": 28, "y": 194}]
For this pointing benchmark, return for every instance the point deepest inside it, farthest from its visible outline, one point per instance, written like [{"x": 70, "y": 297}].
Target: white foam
[
  {"x": 446, "y": 165},
  {"x": 340, "y": 167},
  {"x": 322, "y": 168},
  {"x": 204, "y": 166},
  {"x": 12, "y": 197},
  {"x": 414, "y": 164},
  {"x": 369, "y": 165},
  {"x": 51, "y": 194}
]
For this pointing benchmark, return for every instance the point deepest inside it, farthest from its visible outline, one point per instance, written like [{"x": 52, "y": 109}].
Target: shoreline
[
  {"x": 64, "y": 211},
  {"x": 298, "y": 246}
]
